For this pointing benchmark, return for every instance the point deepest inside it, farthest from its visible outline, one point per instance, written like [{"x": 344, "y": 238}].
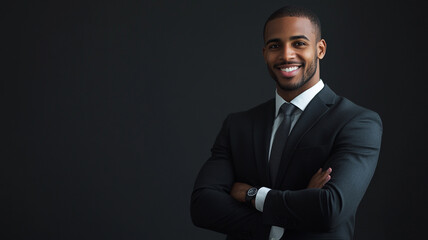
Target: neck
[{"x": 289, "y": 95}]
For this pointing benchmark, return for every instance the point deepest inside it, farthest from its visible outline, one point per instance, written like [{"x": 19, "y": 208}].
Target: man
[{"x": 264, "y": 178}]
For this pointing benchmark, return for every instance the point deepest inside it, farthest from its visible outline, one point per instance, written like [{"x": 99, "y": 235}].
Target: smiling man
[
  {"x": 298, "y": 165},
  {"x": 292, "y": 56}
]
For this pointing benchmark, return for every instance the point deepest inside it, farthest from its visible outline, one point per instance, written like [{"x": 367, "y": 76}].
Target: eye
[
  {"x": 274, "y": 46},
  {"x": 299, "y": 44}
]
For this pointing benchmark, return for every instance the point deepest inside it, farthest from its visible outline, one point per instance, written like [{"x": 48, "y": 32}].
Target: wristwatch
[{"x": 251, "y": 194}]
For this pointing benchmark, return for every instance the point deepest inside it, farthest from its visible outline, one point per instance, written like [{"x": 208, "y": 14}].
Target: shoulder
[
  {"x": 348, "y": 107},
  {"x": 350, "y": 115},
  {"x": 344, "y": 108}
]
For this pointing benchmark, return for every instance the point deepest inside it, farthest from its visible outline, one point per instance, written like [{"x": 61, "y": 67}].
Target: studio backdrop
[{"x": 110, "y": 108}]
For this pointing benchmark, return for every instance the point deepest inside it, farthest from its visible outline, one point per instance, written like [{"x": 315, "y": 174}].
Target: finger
[
  {"x": 324, "y": 174},
  {"x": 326, "y": 179},
  {"x": 327, "y": 172}
]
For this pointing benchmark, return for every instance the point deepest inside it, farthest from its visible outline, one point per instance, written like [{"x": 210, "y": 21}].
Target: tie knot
[{"x": 288, "y": 108}]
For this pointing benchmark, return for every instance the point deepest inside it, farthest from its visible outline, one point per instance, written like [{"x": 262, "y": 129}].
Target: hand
[
  {"x": 320, "y": 178},
  {"x": 239, "y": 191}
]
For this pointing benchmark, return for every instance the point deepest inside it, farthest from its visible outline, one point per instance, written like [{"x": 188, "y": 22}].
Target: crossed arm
[
  {"x": 216, "y": 199},
  {"x": 318, "y": 180}
]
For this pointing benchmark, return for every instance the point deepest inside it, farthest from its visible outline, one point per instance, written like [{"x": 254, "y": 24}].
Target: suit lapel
[
  {"x": 262, "y": 130},
  {"x": 318, "y": 106}
]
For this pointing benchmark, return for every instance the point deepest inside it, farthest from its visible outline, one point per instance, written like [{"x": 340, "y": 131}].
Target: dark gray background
[{"x": 109, "y": 109}]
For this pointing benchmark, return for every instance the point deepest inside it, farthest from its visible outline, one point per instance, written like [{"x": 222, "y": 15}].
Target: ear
[{"x": 321, "y": 48}]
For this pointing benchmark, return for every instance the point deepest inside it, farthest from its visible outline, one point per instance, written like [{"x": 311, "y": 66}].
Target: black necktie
[{"x": 280, "y": 140}]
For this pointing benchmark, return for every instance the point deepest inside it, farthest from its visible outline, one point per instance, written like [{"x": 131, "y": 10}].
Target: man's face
[{"x": 291, "y": 53}]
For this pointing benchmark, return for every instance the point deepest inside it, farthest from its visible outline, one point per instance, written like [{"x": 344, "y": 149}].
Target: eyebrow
[
  {"x": 291, "y": 39},
  {"x": 272, "y": 40},
  {"x": 298, "y": 37}
]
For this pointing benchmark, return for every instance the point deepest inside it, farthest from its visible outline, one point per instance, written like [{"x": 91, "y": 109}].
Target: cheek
[
  {"x": 309, "y": 56},
  {"x": 276, "y": 56},
  {"x": 270, "y": 59}
]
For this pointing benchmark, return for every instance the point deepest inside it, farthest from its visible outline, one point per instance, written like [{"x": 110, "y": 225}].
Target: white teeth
[{"x": 289, "y": 69}]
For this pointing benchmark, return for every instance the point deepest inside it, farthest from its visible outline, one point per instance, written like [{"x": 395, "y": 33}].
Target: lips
[{"x": 289, "y": 70}]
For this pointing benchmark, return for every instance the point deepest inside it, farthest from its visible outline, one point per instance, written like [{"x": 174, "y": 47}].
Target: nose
[{"x": 288, "y": 53}]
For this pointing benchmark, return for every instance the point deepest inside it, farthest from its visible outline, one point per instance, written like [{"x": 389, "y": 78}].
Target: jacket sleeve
[
  {"x": 353, "y": 160},
  {"x": 211, "y": 206}
]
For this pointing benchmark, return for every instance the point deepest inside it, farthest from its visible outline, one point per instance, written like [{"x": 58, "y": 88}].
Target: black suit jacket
[{"x": 331, "y": 132}]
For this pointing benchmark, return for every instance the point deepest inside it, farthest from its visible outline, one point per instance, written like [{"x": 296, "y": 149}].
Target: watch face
[{"x": 252, "y": 191}]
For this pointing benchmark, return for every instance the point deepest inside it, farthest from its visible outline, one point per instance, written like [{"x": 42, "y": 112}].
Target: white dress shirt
[{"x": 301, "y": 101}]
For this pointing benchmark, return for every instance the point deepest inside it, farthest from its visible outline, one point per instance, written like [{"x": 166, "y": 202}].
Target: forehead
[{"x": 286, "y": 27}]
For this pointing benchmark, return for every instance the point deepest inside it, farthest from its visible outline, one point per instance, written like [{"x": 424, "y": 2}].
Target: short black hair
[{"x": 296, "y": 11}]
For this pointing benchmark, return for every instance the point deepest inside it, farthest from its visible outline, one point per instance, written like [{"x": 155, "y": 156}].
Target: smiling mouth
[{"x": 289, "y": 69}]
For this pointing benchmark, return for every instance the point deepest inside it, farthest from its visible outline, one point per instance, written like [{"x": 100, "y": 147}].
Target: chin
[{"x": 289, "y": 84}]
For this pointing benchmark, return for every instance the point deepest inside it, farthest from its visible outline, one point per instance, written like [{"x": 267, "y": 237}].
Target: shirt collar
[{"x": 302, "y": 100}]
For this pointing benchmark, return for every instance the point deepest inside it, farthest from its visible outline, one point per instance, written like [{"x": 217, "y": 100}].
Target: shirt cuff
[{"x": 260, "y": 198}]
